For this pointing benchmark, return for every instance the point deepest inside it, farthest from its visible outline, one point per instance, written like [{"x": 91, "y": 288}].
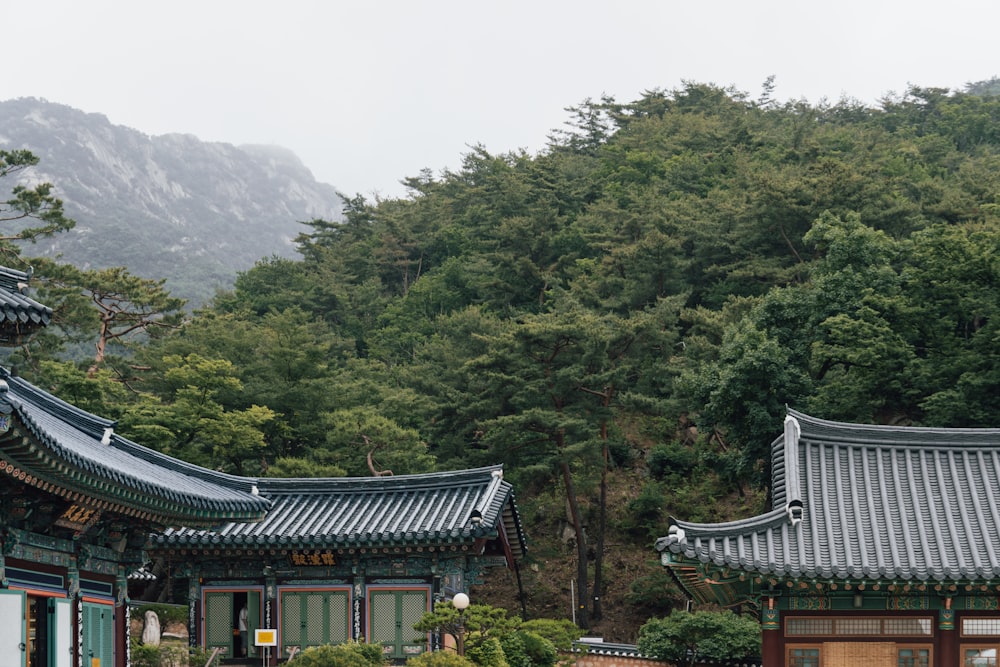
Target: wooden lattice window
[
  {"x": 913, "y": 656},
  {"x": 981, "y": 627},
  {"x": 859, "y": 626},
  {"x": 803, "y": 656}
]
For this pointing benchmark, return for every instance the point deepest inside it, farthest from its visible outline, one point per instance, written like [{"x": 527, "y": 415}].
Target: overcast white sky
[{"x": 369, "y": 92}]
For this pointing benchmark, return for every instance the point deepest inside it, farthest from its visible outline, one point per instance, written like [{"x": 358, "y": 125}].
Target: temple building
[
  {"x": 343, "y": 559},
  {"x": 882, "y": 548},
  {"x": 77, "y": 505},
  {"x": 315, "y": 560}
]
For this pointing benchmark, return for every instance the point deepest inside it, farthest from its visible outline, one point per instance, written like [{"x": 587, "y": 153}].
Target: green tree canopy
[{"x": 689, "y": 638}]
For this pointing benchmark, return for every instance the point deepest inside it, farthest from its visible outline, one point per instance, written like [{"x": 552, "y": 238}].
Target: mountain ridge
[{"x": 167, "y": 206}]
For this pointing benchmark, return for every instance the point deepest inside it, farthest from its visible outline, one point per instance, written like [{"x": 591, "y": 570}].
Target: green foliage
[
  {"x": 287, "y": 466},
  {"x": 194, "y": 425},
  {"x": 364, "y": 442},
  {"x": 688, "y": 638},
  {"x": 491, "y": 637},
  {"x": 34, "y": 211},
  {"x": 671, "y": 461},
  {"x": 100, "y": 393},
  {"x": 488, "y": 653},
  {"x": 128, "y": 307},
  {"x": 654, "y": 592},
  {"x": 350, "y": 654},
  {"x": 439, "y": 659},
  {"x": 479, "y": 622},
  {"x": 527, "y": 649},
  {"x": 168, "y": 655},
  {"x": 145, "y": 656},
  {"x": 561, "y": 632},
  {"x": 644, "y": 514}
]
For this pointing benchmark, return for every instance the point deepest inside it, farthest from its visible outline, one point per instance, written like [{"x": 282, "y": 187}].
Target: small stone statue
[{"x": 151, "y": 629}]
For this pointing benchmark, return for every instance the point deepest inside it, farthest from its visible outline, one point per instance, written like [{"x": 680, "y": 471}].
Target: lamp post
[{"x": 461, "y": 602}]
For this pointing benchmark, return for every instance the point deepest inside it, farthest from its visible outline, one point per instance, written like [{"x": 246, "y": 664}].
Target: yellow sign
[
  {"x": 315, "y": 558},
  {"x": 78, "y": 517},
  {"x": 268, "y": 637}
]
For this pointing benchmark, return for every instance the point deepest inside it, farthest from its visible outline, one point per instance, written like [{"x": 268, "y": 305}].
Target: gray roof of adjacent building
[
  {"x": 373, "y": 512},
  {"x": 863, "y": 502}
]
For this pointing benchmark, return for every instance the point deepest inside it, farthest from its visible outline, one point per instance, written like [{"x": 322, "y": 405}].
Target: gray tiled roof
[
  {"x": 77, "y": 451},
  {"x": 370, "y": 512},
  {"x": 866, "y": 502},
  {"x": 16, "y": 308}
]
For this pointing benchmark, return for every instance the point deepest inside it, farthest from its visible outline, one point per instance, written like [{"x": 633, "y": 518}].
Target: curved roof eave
[
  {"x": 74, "y": 448},
  {"x": 869, "y": 502}
]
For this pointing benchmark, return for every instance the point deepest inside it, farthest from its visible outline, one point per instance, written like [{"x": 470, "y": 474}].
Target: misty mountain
[{"x": 172, "y": 206}]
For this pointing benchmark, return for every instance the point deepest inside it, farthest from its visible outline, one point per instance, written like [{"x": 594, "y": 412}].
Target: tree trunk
[
  {"x": 602, "y": 520},
  {"x": 102, "y": 344},
  {"x": 581, "y": 548},
  {"x": 602, "y": 523}
]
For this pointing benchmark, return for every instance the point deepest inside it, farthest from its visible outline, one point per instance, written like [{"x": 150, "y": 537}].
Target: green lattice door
[
  {"x": 221, "y": 619},
  {"x": 98, "y": 646},
  {"x": 219, "y": 622},
  {"x": 391, "y": 617},
  {"x": 314, "y": 618}
]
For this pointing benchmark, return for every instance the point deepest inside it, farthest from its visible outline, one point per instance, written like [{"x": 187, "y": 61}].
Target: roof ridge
[
  {"x": 815, "y": 428},
  {"x": 442, "y": 479},
  {"x": 12, "y": 279},
  {"x": 85, "y": 421}
]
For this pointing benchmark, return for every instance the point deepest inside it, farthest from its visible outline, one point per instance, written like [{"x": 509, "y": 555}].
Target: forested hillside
[{"x": 620, "y": 320}]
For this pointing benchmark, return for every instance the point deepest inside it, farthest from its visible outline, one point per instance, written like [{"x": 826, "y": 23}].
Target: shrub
[
  {"x": 514, "y": 650},
  {"x": 145, "y": 656},
  {"x": 527, "y": 649},
  {"x": 439, "y": 659},
  {"x": 671, "y": 461},
  {"x": 168, "y": 656},
  {"x": 689, "y": 638},
  {"x": 562, "y": 632},
  {"x": 488, "y": 654},
  {"x": 644, "y": 514},
  {"x": 351, "y": 654}
]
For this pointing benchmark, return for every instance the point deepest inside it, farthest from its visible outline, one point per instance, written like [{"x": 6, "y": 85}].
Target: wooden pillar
[
  {"x": 122, "y": 619},
  {"x": 947, "y": 646},
  {"x": 270, "y": 604},
  {"x": 357, "y": 621},
  {"x": 771, "y": 647},
  {"x": 194, "y": 606},
  {"x": 73, "y": 593}
]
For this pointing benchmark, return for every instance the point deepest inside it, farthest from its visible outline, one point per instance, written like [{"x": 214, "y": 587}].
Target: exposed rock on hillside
[{"x": 168, "y": 206}]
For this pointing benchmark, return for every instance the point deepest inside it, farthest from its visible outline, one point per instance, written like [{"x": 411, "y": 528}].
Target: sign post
[{"x": 265, "y": 637}]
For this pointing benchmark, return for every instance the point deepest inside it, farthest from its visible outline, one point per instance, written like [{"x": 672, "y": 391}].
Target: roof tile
[
  {"x": 362, "y": 512},
  {"x": 905, "y": 503}
]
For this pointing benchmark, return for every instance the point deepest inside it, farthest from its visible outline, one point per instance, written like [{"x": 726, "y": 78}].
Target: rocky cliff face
[{"x": 170, "y": 206}]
